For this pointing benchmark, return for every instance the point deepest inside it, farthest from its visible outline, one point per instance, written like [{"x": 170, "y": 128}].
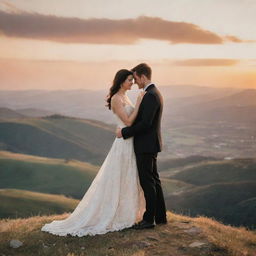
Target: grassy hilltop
[{"x": 177, "y": 238}]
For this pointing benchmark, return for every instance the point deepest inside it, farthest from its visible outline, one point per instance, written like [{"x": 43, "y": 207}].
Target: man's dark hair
[{"x": 143, "y": 69}]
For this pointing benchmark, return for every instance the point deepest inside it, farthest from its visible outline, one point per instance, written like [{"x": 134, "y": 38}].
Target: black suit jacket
[{"x": 146, "y": 128}]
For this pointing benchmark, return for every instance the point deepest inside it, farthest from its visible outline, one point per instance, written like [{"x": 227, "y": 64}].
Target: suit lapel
[{"x": 148, "y": 89}]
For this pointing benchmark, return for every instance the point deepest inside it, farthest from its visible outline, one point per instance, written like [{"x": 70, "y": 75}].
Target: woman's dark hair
[{"x": 119, "y": 78}]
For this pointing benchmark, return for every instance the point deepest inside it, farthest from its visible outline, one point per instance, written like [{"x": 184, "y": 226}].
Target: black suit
[{"x": 147, "y": 143}]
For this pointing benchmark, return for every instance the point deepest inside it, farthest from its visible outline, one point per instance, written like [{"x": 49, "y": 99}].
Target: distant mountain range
[
  {"x": 76, "y": 103},
  {"x": 182, "y": 102},
  {"x": 191, "y": 103},
  {"x": 179, "y": 100},
  {"x": 6, "y": 113},
  {"x": 197, "y": 120},
  {"x": 33, "y": 112},
  {"x": 235, "y": 108}
]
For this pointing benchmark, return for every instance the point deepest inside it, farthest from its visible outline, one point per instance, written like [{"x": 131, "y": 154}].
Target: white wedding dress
[{"x": 114, "y": 200}]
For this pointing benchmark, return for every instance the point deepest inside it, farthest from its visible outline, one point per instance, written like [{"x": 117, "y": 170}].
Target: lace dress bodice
[{"x": 128, "y": 108}]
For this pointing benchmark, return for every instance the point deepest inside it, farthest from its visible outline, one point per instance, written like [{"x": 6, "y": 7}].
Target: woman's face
[{"x": 127, "y": 84}]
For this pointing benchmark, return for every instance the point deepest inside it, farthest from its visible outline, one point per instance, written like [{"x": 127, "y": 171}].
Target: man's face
[{"x": 138, "y": 80}]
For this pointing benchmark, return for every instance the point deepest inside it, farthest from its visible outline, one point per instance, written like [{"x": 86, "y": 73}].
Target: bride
[{"x": 114, "y": 200}]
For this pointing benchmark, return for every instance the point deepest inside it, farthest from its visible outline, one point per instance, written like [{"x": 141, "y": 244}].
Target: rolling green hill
[
  {"x": 235, "y": 170},
  {"x": 58, "y": 137},
  {"x": 171, "y": 186},
  {"x": 182, "y": 162},
  {"x": 222, "y": 189},
  {"x": 23, "y": 204},
  {"x": 225, "y": 190},
  {"x": 46, "y": 175},
  {"x": 231, "y": 203}
]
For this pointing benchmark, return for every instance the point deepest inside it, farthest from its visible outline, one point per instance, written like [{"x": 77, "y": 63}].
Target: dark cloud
[
  {"x": 104, "y": 31},
  {"x": 206, "y": 62}
]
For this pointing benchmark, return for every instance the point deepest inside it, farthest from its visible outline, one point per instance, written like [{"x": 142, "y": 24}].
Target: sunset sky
[{"x": 66, "y": 44}]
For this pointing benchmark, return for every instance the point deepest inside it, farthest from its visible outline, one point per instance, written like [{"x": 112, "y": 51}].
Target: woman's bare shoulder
[{"x": 116, "y": 99}]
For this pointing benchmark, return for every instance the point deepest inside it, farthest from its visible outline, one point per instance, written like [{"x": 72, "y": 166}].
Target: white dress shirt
[{"x": 147, "y": 86}]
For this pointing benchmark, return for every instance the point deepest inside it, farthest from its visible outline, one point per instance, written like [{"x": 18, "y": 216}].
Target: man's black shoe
[
  {"x": 162, "y": 222},
  {"x": 136, "y": 224},
  {"x": 143, "y": 225}
]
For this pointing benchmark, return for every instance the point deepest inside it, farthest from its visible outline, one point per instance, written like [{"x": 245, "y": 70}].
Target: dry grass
[
  {"x": 171, "y": 239},
  {"x": 237, "y": 241}
]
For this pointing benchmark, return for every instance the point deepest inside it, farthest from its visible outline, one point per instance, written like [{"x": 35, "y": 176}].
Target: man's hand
[{"x": 118, "y": 133}]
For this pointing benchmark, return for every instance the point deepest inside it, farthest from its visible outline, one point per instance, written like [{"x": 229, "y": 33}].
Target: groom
[{"x": 147, "y": 143}]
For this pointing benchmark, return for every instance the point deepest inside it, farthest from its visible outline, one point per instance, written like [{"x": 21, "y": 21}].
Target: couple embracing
[{"x": 126, "y": 192}]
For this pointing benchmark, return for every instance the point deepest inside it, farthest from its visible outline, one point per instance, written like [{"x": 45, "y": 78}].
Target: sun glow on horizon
[{"x": 63, "y": 54}]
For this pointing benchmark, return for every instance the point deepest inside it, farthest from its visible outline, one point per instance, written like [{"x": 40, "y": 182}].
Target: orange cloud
[
  {"x": 237, "y": 40},
  {"x": 206, "y": 62},
  {"x": 104, "y": 31}
]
